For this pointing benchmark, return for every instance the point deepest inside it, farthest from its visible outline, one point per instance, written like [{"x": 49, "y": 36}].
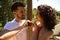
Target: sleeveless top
[
  {"x": 36, "y": 32},
  {"x": 42, "y": 33}
]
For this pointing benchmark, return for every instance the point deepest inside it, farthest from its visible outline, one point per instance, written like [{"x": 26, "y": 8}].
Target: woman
[{"x": 47, "y": 18}]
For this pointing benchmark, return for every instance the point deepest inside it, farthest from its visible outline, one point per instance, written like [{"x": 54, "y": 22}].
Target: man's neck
[{"x": 19, "y": 20}]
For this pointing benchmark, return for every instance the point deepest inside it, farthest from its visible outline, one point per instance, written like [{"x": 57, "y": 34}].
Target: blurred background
[{"x": 6, "y": 14}]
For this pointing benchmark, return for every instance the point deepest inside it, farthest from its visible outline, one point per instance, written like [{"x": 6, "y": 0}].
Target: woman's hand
[{"x": 30, "y": 22}]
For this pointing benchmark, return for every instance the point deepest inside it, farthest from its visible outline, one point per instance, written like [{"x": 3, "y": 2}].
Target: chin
[{"x": 22, "y": 18}]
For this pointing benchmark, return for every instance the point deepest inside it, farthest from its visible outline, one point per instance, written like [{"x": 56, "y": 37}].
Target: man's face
[{"x": 19, "y": 13}]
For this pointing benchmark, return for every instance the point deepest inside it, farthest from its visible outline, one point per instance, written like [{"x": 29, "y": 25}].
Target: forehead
[{"x": 20, "y": 8}]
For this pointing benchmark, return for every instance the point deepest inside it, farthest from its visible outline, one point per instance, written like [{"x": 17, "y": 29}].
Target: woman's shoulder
[
  {"x": 45, "y": 34},
  {"x": 46, "y": 30}
]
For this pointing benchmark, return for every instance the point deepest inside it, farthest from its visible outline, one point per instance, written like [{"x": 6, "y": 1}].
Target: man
[{"x": 19, "y": 14}]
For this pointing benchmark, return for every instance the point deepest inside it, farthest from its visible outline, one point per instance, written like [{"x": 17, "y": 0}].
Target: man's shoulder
[{"x": 9, "y": 24}]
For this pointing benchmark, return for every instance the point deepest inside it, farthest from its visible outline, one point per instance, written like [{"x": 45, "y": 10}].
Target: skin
[
  {"x": 19, "y": 14},
  {"x": 39, "y": 18},
  {"x": 8, "y": 35}
]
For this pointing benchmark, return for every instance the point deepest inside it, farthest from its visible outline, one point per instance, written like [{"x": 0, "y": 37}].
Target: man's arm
[
  {"x": 3, "y": 31},
  {"x": 9, "y": 34}
]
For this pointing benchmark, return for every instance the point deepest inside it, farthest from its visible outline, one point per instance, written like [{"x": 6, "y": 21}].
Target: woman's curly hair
[{"x": 48, "y": 15}]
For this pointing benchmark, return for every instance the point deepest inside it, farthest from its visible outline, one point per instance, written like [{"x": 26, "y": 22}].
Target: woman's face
[{"x": 38, "y": 17}]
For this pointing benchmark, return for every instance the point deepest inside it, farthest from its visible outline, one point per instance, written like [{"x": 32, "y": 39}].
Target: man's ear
[{"x": 14, "y": 13}]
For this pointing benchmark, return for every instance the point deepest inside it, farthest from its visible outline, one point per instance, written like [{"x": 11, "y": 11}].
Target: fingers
[{"x": 30, "y": 21}]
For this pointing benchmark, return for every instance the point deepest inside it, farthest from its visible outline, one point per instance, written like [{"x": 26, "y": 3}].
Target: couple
[{"x": 45, "y": 15}]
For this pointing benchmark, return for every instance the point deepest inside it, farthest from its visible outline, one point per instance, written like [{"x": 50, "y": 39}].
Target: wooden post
[
  {"x": 29, "y": 17},
  {"x": 29, "y": 9}
]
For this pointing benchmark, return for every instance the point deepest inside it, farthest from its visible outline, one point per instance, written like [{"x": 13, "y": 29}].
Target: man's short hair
[{"x": 17, "y": 4}]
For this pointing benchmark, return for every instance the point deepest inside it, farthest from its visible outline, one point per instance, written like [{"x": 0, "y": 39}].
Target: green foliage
[
  {"x": 58, "y": 16},
  {"x": 34, "y": 14},
  {"x": 58, "y": 13}
]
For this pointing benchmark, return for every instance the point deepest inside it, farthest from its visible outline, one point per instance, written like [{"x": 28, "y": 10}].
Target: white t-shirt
[
  {"x": 13, "y": 25},
  {"x": 22, "y": 35}
]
